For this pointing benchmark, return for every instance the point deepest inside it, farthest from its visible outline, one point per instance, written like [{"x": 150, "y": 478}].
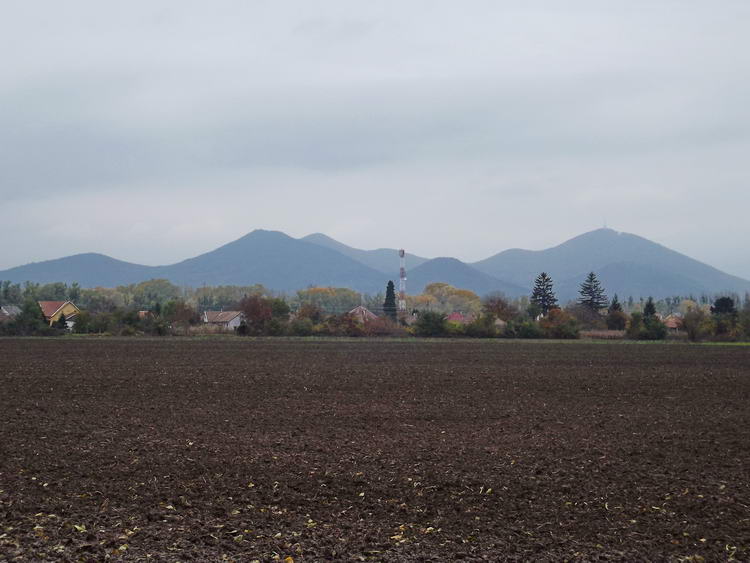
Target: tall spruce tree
[
  {"x": 592, "y": 293},
  {"x": 543, "y": 296},
  {"x": 389, "y": 305}
]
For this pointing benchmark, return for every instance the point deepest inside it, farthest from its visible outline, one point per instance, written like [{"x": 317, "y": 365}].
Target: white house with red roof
[{"x": 223, "y": 319}]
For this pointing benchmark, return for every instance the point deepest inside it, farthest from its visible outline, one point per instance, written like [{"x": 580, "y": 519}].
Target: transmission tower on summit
[{"x": 402, "y": 284}]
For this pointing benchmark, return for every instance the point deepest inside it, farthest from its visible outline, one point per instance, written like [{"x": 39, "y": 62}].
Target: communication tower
[{"x": 402, "y": 284}]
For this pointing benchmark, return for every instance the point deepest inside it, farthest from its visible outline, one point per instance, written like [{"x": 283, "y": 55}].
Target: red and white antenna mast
[{"x": 402, "y": 284}]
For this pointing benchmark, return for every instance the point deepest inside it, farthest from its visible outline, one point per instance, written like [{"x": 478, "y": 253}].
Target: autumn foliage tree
[
  {"x": 311, "y": 312},
  {"x": 257, "y": 311},
  {"x": 500, "y": 306},
  {"x": 559, "y": 324}
]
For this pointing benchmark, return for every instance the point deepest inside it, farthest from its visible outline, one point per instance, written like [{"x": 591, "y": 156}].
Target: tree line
[{"x": 158, "y": 307}]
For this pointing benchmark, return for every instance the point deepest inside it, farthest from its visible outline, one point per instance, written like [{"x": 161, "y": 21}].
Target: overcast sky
[{"x": 153, "y": 131}]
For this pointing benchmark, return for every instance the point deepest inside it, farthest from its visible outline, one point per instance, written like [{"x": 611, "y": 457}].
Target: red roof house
[{"x": 363, "y": 314}]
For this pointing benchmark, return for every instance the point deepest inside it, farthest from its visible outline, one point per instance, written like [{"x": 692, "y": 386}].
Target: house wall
[
  {"x": 235, "y": 322},
  {"x": 67, "y": 309}
]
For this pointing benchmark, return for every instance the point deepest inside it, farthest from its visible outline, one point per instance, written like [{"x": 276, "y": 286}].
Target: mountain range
[{"x": 625, "y": 263}]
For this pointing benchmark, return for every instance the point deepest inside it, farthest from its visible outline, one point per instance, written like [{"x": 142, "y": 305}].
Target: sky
[{"x": 155, "y": 131}]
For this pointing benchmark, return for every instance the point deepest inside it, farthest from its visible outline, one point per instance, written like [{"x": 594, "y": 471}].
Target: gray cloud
[{"x": 377, "y": 123}]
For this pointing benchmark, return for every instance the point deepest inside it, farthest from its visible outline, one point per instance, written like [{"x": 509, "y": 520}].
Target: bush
[
  {"x": 453, "y": 329},
  {"x": 482, "y": 327},
  {"x": 616, "y": 320},
  {"x": 339, "y": 325},
  {"x": 83, "y": 323},
  {"x": 586, "y": 316},
  {"x": 431, "y": 323},
  {"x": 559, "y": 324},
  {"x": 697, "y": 325},
  {"x": 275, "y": 327},
  {"x": 527, "y": 329},
  {"x": 654, "y": 329},
  {"x": 725, "y": 326},
  {"x": 300, "y": 327},
  {"x": 29, "y": 322},
  {"x": 635, "y": 326},
  {"x": 383, "y": 327},
  {"x": 646, "y": 328}
]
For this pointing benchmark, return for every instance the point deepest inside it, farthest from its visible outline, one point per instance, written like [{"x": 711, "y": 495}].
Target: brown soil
[{"x": 372, "y": 450}]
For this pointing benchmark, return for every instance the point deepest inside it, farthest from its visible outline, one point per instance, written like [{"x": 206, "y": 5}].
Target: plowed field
[{"x": 372, "y": 450}]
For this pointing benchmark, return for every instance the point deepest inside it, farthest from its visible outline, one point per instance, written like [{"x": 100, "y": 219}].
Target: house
[
  {"x": 363, "y": 314},
  {"x": 456, "y": 317},
  {"x": 223, "y": 319},
  {"x": 8, "y": 313},
  {"x": 673, "y": 322},
  {"x": 53, "y": 310}
]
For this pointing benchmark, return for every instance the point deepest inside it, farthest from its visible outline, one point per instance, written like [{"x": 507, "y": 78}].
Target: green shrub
[
  {"x": 482, "y": 327},
  {"x": 455, "y": 329},
  {"x": 301, "y": 327},
  {"x": 430, "y": 323},
  {"x": 635, "y": 326},
  {"x": 646, "y": 328},
  {"x": 654, "y": 329},
  {"x": 528, "y": 329},
  {"x": 616, "y": 320},
  {"x": 275, "y": 327}
]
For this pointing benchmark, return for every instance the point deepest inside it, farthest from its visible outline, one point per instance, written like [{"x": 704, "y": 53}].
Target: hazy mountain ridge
[
  {"x": 271, "y": 258},
  {"x": 276, "y": 261},
  {"x": 626, "y": 264},
  {"x": 382, "y": 259},
  {"x": 101, "y": 269}
]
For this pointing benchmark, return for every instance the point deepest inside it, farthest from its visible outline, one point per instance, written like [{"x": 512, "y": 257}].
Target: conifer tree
[
  {"x": 615, "y": 305},
  {"x": 592, "y": 294},
  {"x": 389, "y": 305},
  {"x": 543, "y": 295},
  {"x": 649, "y": 309},
  {"x": 723, "y": 306}
]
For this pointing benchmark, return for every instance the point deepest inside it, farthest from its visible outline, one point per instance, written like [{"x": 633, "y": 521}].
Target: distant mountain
[
  {"x": 383, "y": 259},
  {"x": 89, "y": 270},
  {"x": 270, "y": 258},
  {"x": 458, "y": 274},
  {"x": 626, "y": 263},
  {"x": 277, "y": 261}
]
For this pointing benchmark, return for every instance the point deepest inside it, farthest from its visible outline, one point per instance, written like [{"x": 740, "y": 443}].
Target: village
[{"x": 491, "y": 317}]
